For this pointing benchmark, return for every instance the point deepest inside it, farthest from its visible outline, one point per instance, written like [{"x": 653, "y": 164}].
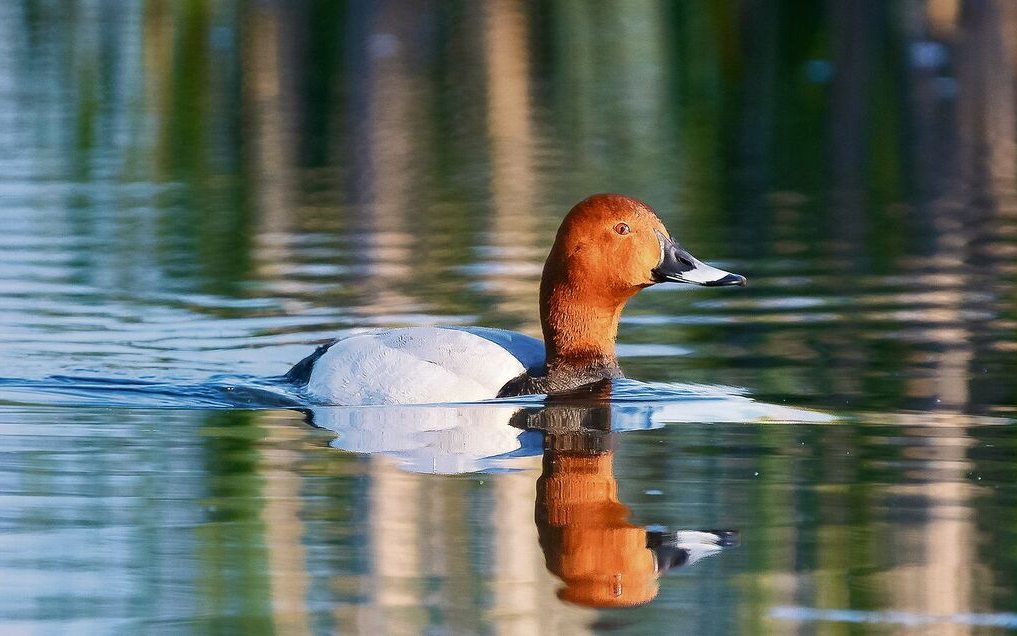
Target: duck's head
[
  {"x": 608, "y": 247},
  {"x": 613, "y": 245}
]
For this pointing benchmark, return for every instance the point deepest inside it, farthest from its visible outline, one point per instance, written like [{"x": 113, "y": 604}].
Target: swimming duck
[{"x": 608, "y": 247}]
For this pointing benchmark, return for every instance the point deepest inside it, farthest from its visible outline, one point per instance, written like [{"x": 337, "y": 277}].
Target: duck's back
[{"x": 417, "y": 365}]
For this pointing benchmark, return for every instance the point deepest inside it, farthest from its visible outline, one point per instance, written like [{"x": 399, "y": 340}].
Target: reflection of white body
[
  {"x": 431, "y": 439},
  {"x": 421, "y": 365},
  {"x": 470, "y": 438}
]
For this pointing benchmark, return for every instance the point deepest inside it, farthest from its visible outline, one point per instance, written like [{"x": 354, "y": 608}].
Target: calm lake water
[{"x": 192, "y": 195}]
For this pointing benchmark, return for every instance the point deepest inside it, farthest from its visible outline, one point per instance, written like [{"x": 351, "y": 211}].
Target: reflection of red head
[{"x": 586, "y": 537}]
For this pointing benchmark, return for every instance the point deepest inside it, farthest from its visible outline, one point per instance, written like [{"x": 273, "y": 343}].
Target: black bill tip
[{"x": 728, "y": 281}]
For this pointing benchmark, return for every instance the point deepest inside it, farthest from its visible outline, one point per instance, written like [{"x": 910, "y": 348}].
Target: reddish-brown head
[{"x": 608, "y": 247}]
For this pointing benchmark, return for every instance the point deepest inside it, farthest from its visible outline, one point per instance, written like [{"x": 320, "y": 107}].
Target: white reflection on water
[
  {"x": 470, "y": 438},
  {"x": 908, "y": 619}
]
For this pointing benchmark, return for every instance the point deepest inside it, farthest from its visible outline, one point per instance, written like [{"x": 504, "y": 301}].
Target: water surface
[{"x": 194, "y": 194}]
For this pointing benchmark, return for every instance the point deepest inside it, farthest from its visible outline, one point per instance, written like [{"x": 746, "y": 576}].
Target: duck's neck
[{"x": 579, "y": 328}]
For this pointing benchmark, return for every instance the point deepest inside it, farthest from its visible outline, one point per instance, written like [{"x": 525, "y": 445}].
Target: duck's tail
[{"x": 301, "y": 371}]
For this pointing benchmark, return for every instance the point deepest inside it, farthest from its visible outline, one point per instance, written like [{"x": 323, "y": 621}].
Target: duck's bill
[
  {"x": 701, "y": 274},
  {"x": 678, "y": 266}
]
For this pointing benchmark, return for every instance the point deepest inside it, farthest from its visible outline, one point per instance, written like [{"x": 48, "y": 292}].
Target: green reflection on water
[{"x": 231, "y": 549}]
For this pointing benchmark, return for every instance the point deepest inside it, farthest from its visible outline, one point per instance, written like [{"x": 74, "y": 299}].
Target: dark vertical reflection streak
[{"x": 856, "y": 27}]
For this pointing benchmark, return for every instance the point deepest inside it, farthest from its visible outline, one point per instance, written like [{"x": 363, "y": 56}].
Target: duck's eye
[{"x": 622, "y": 228}]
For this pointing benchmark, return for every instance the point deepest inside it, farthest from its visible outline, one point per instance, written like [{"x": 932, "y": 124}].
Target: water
[{"x": 194, "y": 194}]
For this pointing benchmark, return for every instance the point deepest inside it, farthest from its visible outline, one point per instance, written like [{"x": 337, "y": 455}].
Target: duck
[{"x": 608, "y": 248}]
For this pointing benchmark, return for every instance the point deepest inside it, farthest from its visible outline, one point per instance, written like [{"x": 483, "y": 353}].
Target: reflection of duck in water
[
  {"x": 477, "y": 438},
  {"x": 585, "y": 532}
]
